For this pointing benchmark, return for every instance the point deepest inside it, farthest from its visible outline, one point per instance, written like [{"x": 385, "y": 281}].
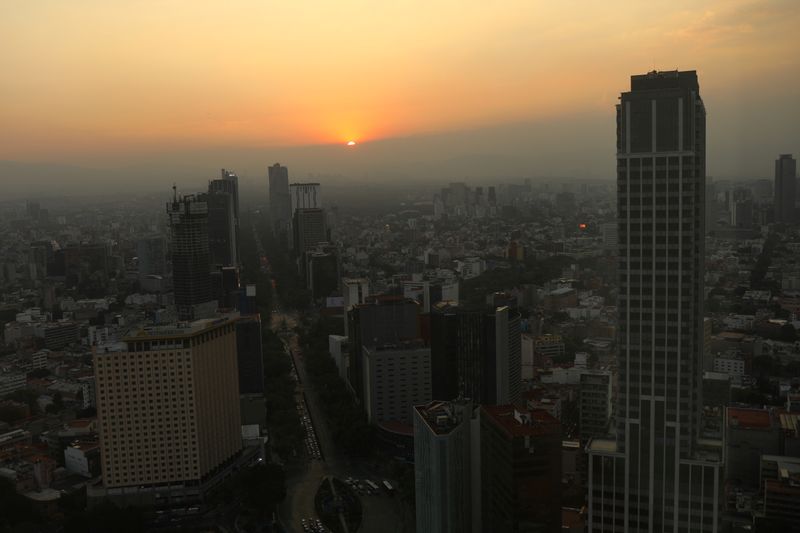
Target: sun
[{"x": 351, "y": 143}]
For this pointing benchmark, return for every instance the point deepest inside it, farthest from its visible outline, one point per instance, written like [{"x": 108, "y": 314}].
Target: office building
[
  {"x": 321, "y": 270},
  {"x": 750, "y": 433},
  {"x": 188, "y": 218},
  {"x": 354, "y": 291},
  {"x": 280, "y": 200},
  {"x": 222, "y": 241},
  {"x": 594, "y": 403},
  {"x": 785, "y": 189},
  {"x": 227, "y": 183},
  {"x": 305, "y": 196},
  {"x": 520, "y": 463},
  {"x": 379, "y": 321},
  {"x": 396, "y": 378},
  {"x": 476, "y": 354},
  {"x": 446, "y": 439},
  {"x": 656, "y": 474},
  {"x": 310, "y": 228},
  {"x": 168, "y": 405},
  {"x": 151, "y": 256}
]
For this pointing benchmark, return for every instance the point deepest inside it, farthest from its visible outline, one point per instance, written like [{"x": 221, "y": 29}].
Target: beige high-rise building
[{"x": 168, "y": 404}]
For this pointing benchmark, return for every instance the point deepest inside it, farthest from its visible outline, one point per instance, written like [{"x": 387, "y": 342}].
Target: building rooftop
[
  {"x": 603, "y": 446},
  {"x": 442, "y": 417},
  {"x": 179, "y": 330},
  {"x": 522, "y": 422},
  {"x": 749, "y": 418}
]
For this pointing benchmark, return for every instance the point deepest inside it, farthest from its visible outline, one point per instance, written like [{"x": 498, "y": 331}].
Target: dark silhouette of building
[
  {"x": 250, "y": 354},
  {"x": 280, "y": 201},
  {"x": 785, "y": 189},
  {"x": 476, "y": 353},
  {"x": 310, "y": 229},
  {"x": 520, "y": 470},
  {"x": 321, "y": 270},
  {"x": 379, "y": 321},
  {"x": 656, "y": 474},
  {"x": 227, "y": 183},
  {"x": 188, "y": 219},
  {"x": 222, "y": 247}
]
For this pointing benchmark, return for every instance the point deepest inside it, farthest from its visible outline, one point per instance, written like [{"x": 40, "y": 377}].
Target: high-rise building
[
  {"x": 594, "y": 403},
  {"x": 280, "y": 200},
  {"x": 168, "y": 405},
  {"x": 656, "y": 474},
  {"x": 321, "y": 270},
  {"x": 354, "y": 291},
  {"x": 227, "y": 183},
  {"x": 305, "y": 196},
  {"x": 379, "y": 321},
  {"x": 396, "y": 378},
  {"x": 785, "y": 189},
  {"x": 309, "y": 229},
  {"x": 476, "y": 354},
  {"x": 446, "y": 436},
  {"x": 222, "y": 239},
  {"x": 520, "y": 463},
  {"x": 191, "y": 278},
  {"x": 152, "y": 255}
]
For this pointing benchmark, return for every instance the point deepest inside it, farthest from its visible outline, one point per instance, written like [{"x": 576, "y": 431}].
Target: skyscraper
[
  {"x": 447, "y": 496},
  {"x": 191, "y": 278},
  {"x": 380, "y": 320},
  {"x": 280, "y": 201},
  {"x": 168, "y": 407},
  {"x": 520, "y": 462},
  {"x": 222, "y": 238},
  {"x": 476, "y": 354},
  {"x": 309, "y": 228},
  {"x": 305, "y": 196},
  {"x": 228, "y": 183},
  {"x": 654, "y": 475},
  {"x": 785, "y": 189}
]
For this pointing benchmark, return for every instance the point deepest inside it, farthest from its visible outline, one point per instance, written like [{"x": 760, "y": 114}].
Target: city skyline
[{"x": 168, "y": 94}]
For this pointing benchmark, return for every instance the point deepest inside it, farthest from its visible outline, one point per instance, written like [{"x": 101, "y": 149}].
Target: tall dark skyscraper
[
  {"x": 222, "y": 238},
  {"x": 220, "y": 214},
  {"x": 280, "y": 200},
  {"x": 476, "y": 354},
  {"x": 656, "y": 474},
  {"x": 188, "y": 218},
  {"x": 310, "y": 229},
  {"x": 785, "y": 189}
]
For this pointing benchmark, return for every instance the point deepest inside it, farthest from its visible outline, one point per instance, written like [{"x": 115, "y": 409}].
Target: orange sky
[{"x": 84, "y": 80}]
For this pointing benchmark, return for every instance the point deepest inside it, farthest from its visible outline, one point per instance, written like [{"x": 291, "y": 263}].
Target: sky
[{"x": 145, "y": 91}]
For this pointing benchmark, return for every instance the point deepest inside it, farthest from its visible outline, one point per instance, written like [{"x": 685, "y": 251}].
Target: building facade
[
  {"x": 280, "y": 200},
  {"x": 476, "y": 354},
  {"x": 445, "y": 441},
  {"x": 168, "y": 405},
  {"x": 655, "y": 475},
  {"x": 520, "y": 465},
  {"x": 785, "y": 189},
  {"x": 396, "y": 378},
  {"x": 188, "y": 218}
]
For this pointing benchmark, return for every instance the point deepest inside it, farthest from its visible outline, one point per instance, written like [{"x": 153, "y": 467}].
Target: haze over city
[
  {"x": 416, "y": 267},
  {"x": 132, "y": 95}
]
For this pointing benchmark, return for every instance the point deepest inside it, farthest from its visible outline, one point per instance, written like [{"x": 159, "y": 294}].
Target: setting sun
[{"x": 351, "y": 143}]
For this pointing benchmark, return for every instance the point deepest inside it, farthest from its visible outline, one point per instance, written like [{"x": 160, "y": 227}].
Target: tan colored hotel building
[{"x": 168, "y": 404}]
